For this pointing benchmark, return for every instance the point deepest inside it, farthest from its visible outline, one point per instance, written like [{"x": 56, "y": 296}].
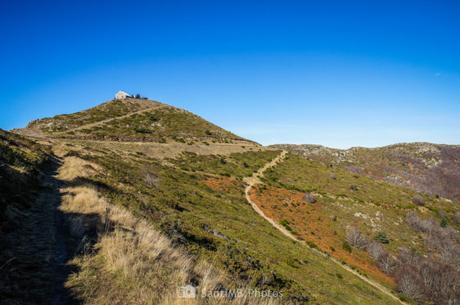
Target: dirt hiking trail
[
  {"x": 256, "y": 179},
  {"x": 40, "y": 247},
  {"x": 153, "y": 108}
]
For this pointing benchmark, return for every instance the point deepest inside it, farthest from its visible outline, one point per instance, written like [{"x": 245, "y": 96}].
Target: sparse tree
[
  {"x": 419, "y": 224},
  {"x": 409, "y": 282},
  {"x": 356, "y": 239},
  {"x": 375, "y": 250},
  {"x": 387, "y": 263},
  {"x": 434, "y": 278}
]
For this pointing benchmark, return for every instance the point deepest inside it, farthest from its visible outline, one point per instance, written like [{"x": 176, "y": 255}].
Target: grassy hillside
[
  {"x": 124, "y": 259},
  {"x": 350, "y": 215},
  {"x": 132, "y": 120},
  {"x": 424, "y": 167},
  {"x": 198, "y": 202},
  {"x": 108, "y": 110},
  {"x": 20, "y": 161}
]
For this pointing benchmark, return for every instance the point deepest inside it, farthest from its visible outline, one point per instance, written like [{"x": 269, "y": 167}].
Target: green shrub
[
  {"x": 285, "y": 224},
  {"x": 346, "y": 246},
  {"x": 312, "y": 244},
  {"x": 382, "y": 238},
  {"x": 444, "y": 223}
]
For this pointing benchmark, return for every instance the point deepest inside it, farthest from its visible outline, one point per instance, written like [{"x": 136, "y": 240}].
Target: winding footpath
[
  {"x": 100, "y": 123},
  {"x": 256, "y": 179}
]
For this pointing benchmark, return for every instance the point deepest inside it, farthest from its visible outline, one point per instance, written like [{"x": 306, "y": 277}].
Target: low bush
[
  {"x": 346, "y": 246},
  {"x": 382, "y": 238}
]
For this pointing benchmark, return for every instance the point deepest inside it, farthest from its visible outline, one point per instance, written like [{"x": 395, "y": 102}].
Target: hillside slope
[
  {"x": 393, "y": 234},
  {"x": 151, "y": 197},
  {"x": 424, "y": 167},
  {"x": 20, "y": 163},
  {"x": 198, "y": 201},
  {"x": 131, "y": 120}
]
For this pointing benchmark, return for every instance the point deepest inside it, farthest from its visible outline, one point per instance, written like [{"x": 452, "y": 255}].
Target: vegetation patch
[
  {"x": 313, "y": 224},
  {"x": 191, "y": 213}
]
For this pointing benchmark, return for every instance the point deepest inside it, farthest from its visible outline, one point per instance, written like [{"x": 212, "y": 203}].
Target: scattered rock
[
  {"x": 309, "y": 197},
  {"x": 457, "y": 218},
  {"x": 214, "y": 232},
  {"x": 361, "y": 215}
]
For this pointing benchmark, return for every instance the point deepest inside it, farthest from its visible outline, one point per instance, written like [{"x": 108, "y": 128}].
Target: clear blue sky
[{"x": 337, "y": 73}]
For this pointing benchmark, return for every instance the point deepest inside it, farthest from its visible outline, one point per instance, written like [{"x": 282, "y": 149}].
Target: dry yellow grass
[
  {"x": 74, "y": 167},
  {"x": 165, "y": 150},
  {"x": 133, "y": 263},
  {"x": 83, "y": 200}
]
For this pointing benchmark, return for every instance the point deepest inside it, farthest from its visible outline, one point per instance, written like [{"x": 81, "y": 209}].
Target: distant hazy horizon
[{"x": 332, "y": 73}]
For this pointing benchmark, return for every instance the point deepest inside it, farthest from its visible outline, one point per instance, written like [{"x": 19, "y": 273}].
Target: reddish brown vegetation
[
  {"x": 223, "y": 184},
  {"x": 310, "y": 223}
]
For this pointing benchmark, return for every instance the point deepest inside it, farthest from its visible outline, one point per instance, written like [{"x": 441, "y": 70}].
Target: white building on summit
[{"x": 121, "y": 95}]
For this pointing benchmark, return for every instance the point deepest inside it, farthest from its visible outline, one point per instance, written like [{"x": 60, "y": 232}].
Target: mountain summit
[{"x": 131, "y": 119}]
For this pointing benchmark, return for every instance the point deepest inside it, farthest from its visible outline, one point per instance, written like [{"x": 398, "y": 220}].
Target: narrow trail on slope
[
  {"x": 256, "y": 179},
  {"x": 111, "y": 119},
  {"x": 62, "y": 252},
  {"x": 42, "y": 246}
]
